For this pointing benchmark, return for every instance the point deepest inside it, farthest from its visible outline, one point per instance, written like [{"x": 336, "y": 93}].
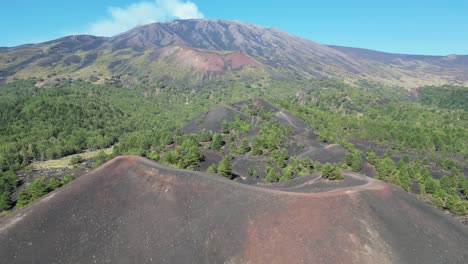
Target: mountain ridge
[{"x": 280, "y": 54}]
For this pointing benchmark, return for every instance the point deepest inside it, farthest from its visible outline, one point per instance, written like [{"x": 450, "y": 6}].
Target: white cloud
[{"x": 122, "y": 19}]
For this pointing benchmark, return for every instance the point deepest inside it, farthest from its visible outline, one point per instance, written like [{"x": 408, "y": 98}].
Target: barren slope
[{"x": 132, "y": 210}]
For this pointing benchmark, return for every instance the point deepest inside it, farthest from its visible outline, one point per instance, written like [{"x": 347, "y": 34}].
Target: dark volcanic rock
[
  {"x": 212, "y": 120},
  {"x": 132, "y": 210}
]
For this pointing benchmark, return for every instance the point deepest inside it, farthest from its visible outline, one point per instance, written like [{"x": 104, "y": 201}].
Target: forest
[{"x": 374, "y": 122}]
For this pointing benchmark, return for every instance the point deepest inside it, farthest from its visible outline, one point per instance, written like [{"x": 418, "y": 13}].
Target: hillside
[
  {"x": 194, "y": 52},
  {"x": 255, "y": 142},
  {"x": 383, "y": 132},
  {"x": 134, "y": 210},
  {"x": 260, "y": 138}
]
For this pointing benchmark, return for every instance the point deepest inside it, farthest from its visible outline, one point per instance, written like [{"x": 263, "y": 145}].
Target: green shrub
[
  {"x": 67, "y": 179},
  {"x": 331, "y": 172},
  {"x": 225, "y": 167},
  {"x": 271, "y": 175},
  {"x": 76, "y": 159}
]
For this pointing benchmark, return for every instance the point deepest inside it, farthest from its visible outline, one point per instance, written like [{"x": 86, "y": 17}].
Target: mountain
[
  {"x": 133, "y": 210},
  {"x": 198, "y": 51},
  {"x": 303, "y": 158}
]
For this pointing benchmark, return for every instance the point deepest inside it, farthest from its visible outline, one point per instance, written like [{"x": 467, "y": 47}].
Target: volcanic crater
[{"x": 133, "y": 210}]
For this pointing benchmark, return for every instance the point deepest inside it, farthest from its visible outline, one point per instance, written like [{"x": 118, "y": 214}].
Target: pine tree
[
  {"x": 287, "y": 173},
  {"x": 461, "y": 208},
  {"x": 354, "y": 160},
  {"x": 385, "y": 168},
  {"x": 217, "y": 142},
  {"x": 432, "y": 185},
  {"x": 225, "y": 167},
  {"x": 244, "y": 148},
  {"x": 5, "y": 201},
  {"x": 256, "y": 146},
  {"x": 53, "y": 184},
  {"x": 371, "y": 157},
  {"x": 225, "y": 127},
  {"x": 211, "y": 168},
  {"x": 331, "y": 172},
  {"x": 271, "y": 175}
]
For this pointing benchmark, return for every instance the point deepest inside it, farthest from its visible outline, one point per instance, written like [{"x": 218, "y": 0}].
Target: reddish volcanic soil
[
  {"x": 203, "y": 60},
  {"x": 132, "y": 210}
]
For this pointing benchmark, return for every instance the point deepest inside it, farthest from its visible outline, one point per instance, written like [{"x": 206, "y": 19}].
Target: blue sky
[{"x": 400, "y": 26}]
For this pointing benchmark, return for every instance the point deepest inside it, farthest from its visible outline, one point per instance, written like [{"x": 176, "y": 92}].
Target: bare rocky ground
[{"x": 133, "y": 210}]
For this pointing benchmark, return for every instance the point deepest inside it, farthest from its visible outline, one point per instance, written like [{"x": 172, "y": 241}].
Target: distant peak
[{"x": 203, "y": 21}]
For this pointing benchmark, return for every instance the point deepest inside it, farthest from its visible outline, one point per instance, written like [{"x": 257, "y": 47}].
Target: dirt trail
[
  {"x": 253, "y": 119},
  {"x": 235, "y": 110},
  {"x": 319, "y": 187},
  {"x": 306, "y": 152},
  {"x": 287, "y": 119}
]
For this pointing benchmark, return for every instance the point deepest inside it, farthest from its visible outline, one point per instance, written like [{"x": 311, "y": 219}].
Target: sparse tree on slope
[
  {"x": 271, "y": 175},
  {"x": 244, "y": 148},
  {"x": 217, "y": 142},
  {"x": 331, "y": 172},
  {"x": 225, "y": 167}
]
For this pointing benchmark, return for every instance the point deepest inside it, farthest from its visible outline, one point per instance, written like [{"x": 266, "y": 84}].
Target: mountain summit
[{"x": 207, "y": 49}]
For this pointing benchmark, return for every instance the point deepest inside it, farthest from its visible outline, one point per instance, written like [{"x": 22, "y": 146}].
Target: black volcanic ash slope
[
  {"x": 132, "y": 210},
  {"x": 262, "y": 121}
]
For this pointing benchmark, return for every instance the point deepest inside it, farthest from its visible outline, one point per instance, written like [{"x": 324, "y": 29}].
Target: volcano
[
  {"x": 206, "y": 50},
  {"x": 133, "y": 210}
]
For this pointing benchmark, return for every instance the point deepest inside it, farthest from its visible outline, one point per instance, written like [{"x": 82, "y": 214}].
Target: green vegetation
[
  {"x": 237, "y": 126},
  {"x": 271, "y": 137},
  {"x": 212, "y": 168},
  {"x": 8, "y": 181},
  {"x": 256, "y": 111},
  {"x": 32, "y": 192},
  {"x": 184, "y": 156},
  {"x": 443, "y": 192},
  {"x": 447, "y": 96},
  {"x": 43, "y": 124},
  {"x": 38, "y": 188},
  {"x": 245, "y": 147},
  {"x": 271, "y": 175},
  {"x": 70, "y": 117},
  {"x": 217, "y": 142},
  {"x": 354, "y": 160},
  {"x": 76, "y": 159},
  {"x": 225, "y": 167},
  {"x": 67, "y": 178},
  {"x": 386, "y": 115},
  {"x": 100, "y": 159},
  {"x": 432, "y": 126},
  {"x": 331, "y": 172}
]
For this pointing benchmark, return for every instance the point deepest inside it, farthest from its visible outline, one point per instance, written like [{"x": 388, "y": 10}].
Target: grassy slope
[{"x": 65, "y": 162}]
